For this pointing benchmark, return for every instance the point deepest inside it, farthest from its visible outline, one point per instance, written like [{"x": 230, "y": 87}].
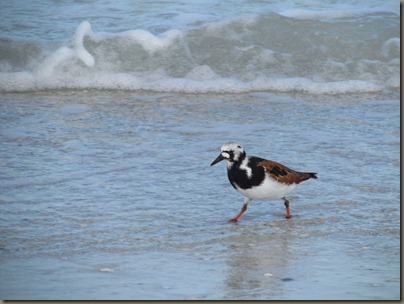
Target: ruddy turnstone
[{"x": 258, "y": 178}]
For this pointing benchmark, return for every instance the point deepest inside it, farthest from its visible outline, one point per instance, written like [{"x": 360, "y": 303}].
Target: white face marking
[
  {"x": 244, "y": 166},
  {"x": 226, "y": 155}
]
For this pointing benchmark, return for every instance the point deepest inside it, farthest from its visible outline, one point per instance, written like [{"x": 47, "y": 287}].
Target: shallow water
[{"x": 109, "y": 195}]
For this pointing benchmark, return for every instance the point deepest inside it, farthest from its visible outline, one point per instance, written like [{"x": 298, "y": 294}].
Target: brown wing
[{"x": 283, "y": 174}]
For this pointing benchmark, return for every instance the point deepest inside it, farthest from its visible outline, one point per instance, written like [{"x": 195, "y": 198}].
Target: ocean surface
[{"x": 112, "y": 111}]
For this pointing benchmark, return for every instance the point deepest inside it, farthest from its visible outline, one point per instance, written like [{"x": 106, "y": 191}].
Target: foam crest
[
  {"x": 152, "y": 43},
  {"x": 323, "y": 14},
  {"x": 64, "y": 53},
  {"x": 80, "y": 51},
  {"x": 202, "y": 72},
  {"x": 269, "y": 52},
  {"x": 147, "y": 40},
  {"x": 48, "y": 66}
]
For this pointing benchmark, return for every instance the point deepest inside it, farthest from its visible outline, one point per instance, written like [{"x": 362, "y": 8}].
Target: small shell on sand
[{"x": 107, "y": 270}]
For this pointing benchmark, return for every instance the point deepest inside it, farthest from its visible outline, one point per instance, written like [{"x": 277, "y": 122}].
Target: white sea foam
[
  {"x": 322, "y": 14},
  {"x": 202, "y": 72},
  {"x": 81, "y": 52},
  {"x": 147, "y": 40},
  {"x": 47, "y": 67},
  {"x": 22, "y": 81},
  {"x": 261, "y": 53}
]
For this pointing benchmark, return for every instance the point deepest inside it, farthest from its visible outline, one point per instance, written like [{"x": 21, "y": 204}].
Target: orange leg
[
  {"x": 287, "y": 208},
  {"x": 235, "y": 219}
]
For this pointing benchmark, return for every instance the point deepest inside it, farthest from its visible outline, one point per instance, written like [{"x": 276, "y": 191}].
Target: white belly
[{"x": 270, "y": 189}]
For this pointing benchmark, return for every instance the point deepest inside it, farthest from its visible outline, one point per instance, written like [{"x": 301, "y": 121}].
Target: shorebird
[{"x": 258, "y": 178}]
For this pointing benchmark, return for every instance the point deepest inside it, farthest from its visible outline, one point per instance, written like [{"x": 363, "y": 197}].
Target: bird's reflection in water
[{"x": 259, "y": 262}]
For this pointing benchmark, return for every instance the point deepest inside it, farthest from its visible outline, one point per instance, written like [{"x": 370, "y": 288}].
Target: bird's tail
[
  {"x": 313, "y": 175},
  {"x": 308, "y": 175}
]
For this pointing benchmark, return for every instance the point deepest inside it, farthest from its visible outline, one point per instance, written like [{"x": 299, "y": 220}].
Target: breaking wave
[{"x": 294, "y": 51}]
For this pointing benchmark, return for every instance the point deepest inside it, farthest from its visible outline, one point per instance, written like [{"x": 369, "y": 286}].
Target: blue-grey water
[{"x": 111, "y": 116}]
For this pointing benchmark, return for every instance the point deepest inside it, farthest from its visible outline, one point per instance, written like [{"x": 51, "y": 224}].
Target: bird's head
[{"x": 232, "y": 152}]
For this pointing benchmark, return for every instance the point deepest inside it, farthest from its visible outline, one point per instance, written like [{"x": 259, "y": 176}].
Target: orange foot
[{"x": 233, "y": 220}]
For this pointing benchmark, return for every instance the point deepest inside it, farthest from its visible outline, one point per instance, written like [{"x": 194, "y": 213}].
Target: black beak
[{"x": 218, "y": 159}]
